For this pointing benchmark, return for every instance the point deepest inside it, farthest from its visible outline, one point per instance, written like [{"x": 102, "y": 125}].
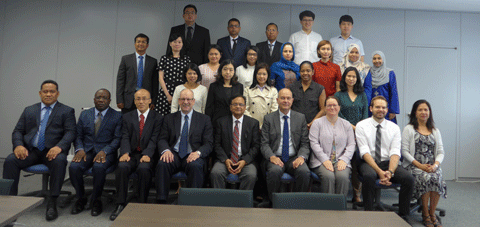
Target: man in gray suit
[{"x": 285, "y": 146}]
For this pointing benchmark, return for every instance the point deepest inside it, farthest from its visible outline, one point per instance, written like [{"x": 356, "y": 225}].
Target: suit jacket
[
  {"x": 60, "y": 130},
  {"x": 271, "y": 134},
  {"x": 200, "y": 134},
  {"x": 218, "y": 103},
  {"x": 239, "y": 55},
  {"x": 250, "y": 138},
  {"x": 109, "y": 134},
  {"x": 127, "y": 79},
  {"x": 265, "y": 52},
  {"x": 197, "y": 49},
  {"x": 131, "y": 133}
]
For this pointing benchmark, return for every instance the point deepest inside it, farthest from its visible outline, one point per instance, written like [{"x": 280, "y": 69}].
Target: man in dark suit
[
  {"x": 270, "y": 49},
  {"x": 98, "y": 138},
  {"x": 140, "y": 131},
  {"x": 43, "y": 134},
  {"x": 237, "y": 143},
  {"x": 234, "y": 46},
  {"x": 136, "y": 71},
  {"x": 196, "y": 38},
  {"x": 285, "y": 145},
  {"x": 185, "y": 141}
]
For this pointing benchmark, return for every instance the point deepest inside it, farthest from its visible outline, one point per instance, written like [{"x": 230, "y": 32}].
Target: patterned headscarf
[{"x": 359, "y": 65}]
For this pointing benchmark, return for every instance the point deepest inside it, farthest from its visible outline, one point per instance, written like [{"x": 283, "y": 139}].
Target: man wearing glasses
[
  {"x": 234, "y": 46},
  {"x": 305, "y": 41}
]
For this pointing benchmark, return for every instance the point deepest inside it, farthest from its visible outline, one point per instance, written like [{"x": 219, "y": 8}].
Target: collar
[
  {"x": 136, "y": 55},
  {"x": 189, "y": 114},
  {"x": 288, "y": 114},
  {"x": 42, "y": 105},
  {"x": 273, "y": 44},
  {"x": 144, "y": 114},
  {"x": 375, "y": 123},
  {"x": 231, "y": 38},
  {"x": 103, "y": 112},
  {"x": 264, "y": 87},
  {"x": 234, "y": 119},
  {"x": 193, "y": 26},
  {"x": 349, "y": 37}
]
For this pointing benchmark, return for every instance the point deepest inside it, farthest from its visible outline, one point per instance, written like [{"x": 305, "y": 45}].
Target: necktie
[
  {"x": 142, "y": 124},
  {"x": 333, "y": 156},
  {"x": 183, "y": 149},
  {"x": 189, "y": 34},
  {"x": 140, "y": 73},
  {"x": 234, "y": 45},
  {"x": 378, "y": 144},
  {"x": 270, "y": 46},
  {"x": 98, "y": 122},
  {"x": 286, "y": 135},
  {"x": 236, "y": 140},
  {"x": 43, "y": 126}
]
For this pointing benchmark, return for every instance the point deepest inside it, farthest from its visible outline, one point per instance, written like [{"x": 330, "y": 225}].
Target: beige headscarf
[{"x": 359, "y": 65}]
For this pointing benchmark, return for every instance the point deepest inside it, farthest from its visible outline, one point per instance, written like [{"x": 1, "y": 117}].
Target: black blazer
[
  {"x": 127, "y": 79},
  {"x": 60, "y": 130},
  {"x": 218, "y": 103},
  {"x": 131, "y": 133},
  {"x": 200, "y": 135},
  {"x": 265, "y": 52},
  {"x": 239, "y": 55},
  {"x": 250, "y": 138},
  {"x": 197, "y": 50}
]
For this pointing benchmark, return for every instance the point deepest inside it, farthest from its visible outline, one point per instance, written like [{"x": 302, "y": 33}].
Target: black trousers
[
  {"x": 275, "y": 172},
  {"x": 144, "y": 171}
]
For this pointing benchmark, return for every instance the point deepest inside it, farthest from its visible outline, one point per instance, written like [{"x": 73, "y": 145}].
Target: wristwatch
[{"x": 393, "y": 174}]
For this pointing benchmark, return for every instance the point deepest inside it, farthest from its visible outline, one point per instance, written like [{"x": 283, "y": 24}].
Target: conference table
[
  {"x": 136, "y": 214},
  {"x": 11, "y": 207}
]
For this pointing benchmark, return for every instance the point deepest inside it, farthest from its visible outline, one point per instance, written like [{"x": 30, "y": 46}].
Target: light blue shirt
[
  {"x": 177, "y": 145},
  {"x": 42, "y": 114},
  {"x": 138, "y": 60},
  {"x": 103, "y": 113},
  {"x": 340, "y": 45}
]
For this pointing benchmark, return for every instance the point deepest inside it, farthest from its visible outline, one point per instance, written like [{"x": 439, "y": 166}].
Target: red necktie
[
  {"x": 142, "y": 123},
  {"x": 236, "y": 139}
]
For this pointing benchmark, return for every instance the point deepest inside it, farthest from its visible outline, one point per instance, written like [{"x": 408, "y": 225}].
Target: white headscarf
[
  {"x": 359, "y": 65},
  {"x": 380, "y": 75}
]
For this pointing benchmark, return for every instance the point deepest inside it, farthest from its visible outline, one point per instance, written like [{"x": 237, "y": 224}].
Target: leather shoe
[
  {"x": 79, "y": 206},
  {"x": 116, "y": 212},
  {"x": 52, "y": 212},
  {"x": 97, "y": 207},
  {"x": 265, "y": 204}
]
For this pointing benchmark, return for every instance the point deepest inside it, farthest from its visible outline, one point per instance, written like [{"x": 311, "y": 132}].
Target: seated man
[
  {"x": 43, "y": 134},
  {"x": 98, "y": 138},
  {"x": 237, "y": 143},
  {"x": 185, "y": 141},
  {"x": 285, "y": 146},
  {"x": 140, "y": 131},
  {"x": 379, "y": 146}
]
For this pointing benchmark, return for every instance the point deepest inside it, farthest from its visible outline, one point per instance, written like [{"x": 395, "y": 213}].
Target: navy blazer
[
  {"x": 200, "y": 134},
  {"x": 131, "y": 133},
  {"x": 109, "y": 134},
  {"x": 60, "y": 130},
  {"x": 197, "y": 50},
  {"x": 265, "y": 52},
  {"x": 239, "y": 55}
]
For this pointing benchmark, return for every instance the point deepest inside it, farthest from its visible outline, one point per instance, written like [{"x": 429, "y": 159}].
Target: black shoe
[
  {"x": 116, "y": 212},
  {"x": 265, "y": 204},
  {"x": 79, "y": 205},
  {"x": 52, "y": 212},
  {"x": 97, "y": 207}
]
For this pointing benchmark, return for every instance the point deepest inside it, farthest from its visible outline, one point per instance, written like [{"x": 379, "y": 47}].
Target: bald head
[
  {"x": 142, "y": 100},
  {"x": 285, "y": 100}
]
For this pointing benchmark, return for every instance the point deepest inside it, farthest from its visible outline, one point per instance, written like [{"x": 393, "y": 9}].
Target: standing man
[
  {"x": 136, "y": 71},
  {"x": 237, "y": 143},
  {"x": 196, "y": 38},
  {"x": 234, "y": 46},
  {"x": 285, "y": 146},
  {"x": 140, "y": 131},
  {"x": 98, "y": 138},
  {"x": 379, "y": 146},
  {"x": 342, "y": 42},
  {"x": 305, "y": 41},
  {"x": 185, "y": 142},
  {"x": 270, "y": 49},
  {"x": 43, "y": 134}
]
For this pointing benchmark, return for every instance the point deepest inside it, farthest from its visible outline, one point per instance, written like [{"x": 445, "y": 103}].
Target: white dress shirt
[
  {"x": 305, "y": 46},
  {"x": 239, "y": 133},
  {"x": 366, "y": 131},
  {"x": 291, "y": 149}
]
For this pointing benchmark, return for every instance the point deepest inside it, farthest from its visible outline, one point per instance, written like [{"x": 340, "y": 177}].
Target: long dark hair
[
  {"x": 357, "y": 88},
  {"x": 261, "y": 65},
  {"x": 413, "y": 116},
  {"x": 219, "y": 72},
  {"x": 254, "y": 48},
  {"x": 193, "y": 67},
  {"x": 172, "y": 38}
]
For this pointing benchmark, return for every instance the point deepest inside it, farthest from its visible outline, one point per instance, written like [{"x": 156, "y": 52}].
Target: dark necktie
[
  {"x": 378, "y": 144},
  {"x": 140, "y": 73},
  {"x": 43, "y": 126},
  {"x": 189, "y": 34},
  {"x": 183, "y": 149},
  {"x": 98, "y": 122},
  {"x": 235, "y": 143},
  {"x": 234, "y": 45},
  {"x": 286, "y": 136},
  {"x": 142, "y": 124}
]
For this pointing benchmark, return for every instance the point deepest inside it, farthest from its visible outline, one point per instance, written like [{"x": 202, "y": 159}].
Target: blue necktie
[
  {"x": 285, "y": 154},
  {"x": 43, "y": 125},
  {"x": 140, "y": 73},
  {"x": 183, "y": 149}
]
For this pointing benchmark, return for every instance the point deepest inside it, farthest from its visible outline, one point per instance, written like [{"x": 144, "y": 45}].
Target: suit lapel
[
  {"x": 193, "y": 123},
  {"x": 136, "y": 123},
  {"x": 148, "y": 124},
  {"x": 230, "y": 131},
  {"x": 38, "y": 113},
  {"x": 276, "y": 49},
  {"x": 177, "y": 124},
  {"x": 134, "y": 63},
  {"x": 105, "y": 119},
  {"x": 53, "y": 113},
  {"x": 229, "y": 45},
  {"x": 244, "y": 133}
]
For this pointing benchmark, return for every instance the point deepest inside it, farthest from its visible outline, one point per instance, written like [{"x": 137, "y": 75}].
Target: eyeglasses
[
  {"x": 185, "y": 99},
  {"x": 237, "y": 104},
  {"x": 233, "y": 26},
  {"x": 141, "y": 99},
  {"x": 307, "y": 20},
  {"x": 331, "y": 106}
]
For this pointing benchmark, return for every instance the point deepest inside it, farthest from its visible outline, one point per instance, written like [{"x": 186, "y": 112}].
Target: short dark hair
[
  {"x": 413, "y": 116},
  {"x": 376, "y": 98},
  {"x": 141, "y": 35},
  {"x": 266, "y": 28},
  {"x": 195, "y": 68},
  {"x": 307, "y": 13},
  {"x": 332, "y": 97},
  {"x": 254, "y": 48},
  {"x": 49, "y": 82},
  {"x": 233, "y": 19},
  {"x": 219, "y": 71},
  {"x": 104, "y": 89},
  {"x": 357, "y": 88},
  {"x": 308, "y": 63},
  {"x": 172, "y": 38},
  {"x": 190, "y": 6},
  {"x": 216, "y": 47},
  {"x": 261, "y": 65},
  {"x": 346, "y": 18},
  {"x": 238, "y": 96}
]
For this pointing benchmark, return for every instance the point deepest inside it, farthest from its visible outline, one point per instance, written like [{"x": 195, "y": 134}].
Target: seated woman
[
  {"x": 333, "y": 143},
  {"x": 261, "y": 96},
  {"x": 422, "y": 151},
  {"x": 245, "y": 71},
  {"x": 209, "y": 70},
  {"x": 192, "y": 76},
  {"x": 285, "y": 71},
  {"x": 308, "y": 96},
  {"x": 326, "y": 72}
]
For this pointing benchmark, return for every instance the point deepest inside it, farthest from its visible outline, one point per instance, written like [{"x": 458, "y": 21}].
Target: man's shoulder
[
  {"x": 150, "y": 57},
  {"x": 250, "y": 120},
  {"x": 363, "y": 123},
  {"x": 261, "y": 43},
  {"x": 242, "y": 39},
  {"x": 63, "y": 107},
  {"x": 200, "y": 28},
  {"x": 130, "y": 115},
  {"x": 202, "y": 117},
  {"x": 223, "y": 39}
]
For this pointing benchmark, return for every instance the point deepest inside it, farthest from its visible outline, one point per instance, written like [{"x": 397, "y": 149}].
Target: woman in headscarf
[
  {"x": 285, "y": 71},
  {"x": 352, "y": 58}
]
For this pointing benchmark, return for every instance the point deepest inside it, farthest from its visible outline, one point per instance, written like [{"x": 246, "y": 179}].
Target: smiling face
[
  {"x": 262, "y": 77},
  {"x": 176, "y": 44},
  {"x": 192, "y": 76},
  {"x": 325, "y": 51},
  {"x": 251, "y": 57},
  {"x": 346, "y": 28},
  {"x": 285, "y": 100},
  {"x": 307, "y": 23},
  {"x": 351, "y": 78},
  {"x": 332, "y": 107},
  {"x": 228, "y": 71},
  {"x": 214, "y": 56},
  {"x": 423, "y": 113},
  {"x": 287, "y": 52},
  {"x": 142, "y": 100},
  {"x": 377, "y": 60},
  {"x": 237, "y": 107},
  {"x": 306, "y": 72},
  {"x": 49, "y": 94},
  {"x": 379, "y": 109},
  {"x": 354, "y": 55},
  {"x": 141, "y": 45},
  {"x": 186, "y": 101},
  {"x": 101, "y": 100}
]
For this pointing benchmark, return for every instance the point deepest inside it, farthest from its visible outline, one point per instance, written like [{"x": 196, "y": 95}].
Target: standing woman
[
  {"x": 192, "y": 76},
  {"x": 170, "y": 72},
  {"x": 422, "y": 152},
  {"x": 261, "y": 96},
  {"x": 285, "y": 71},
  {"x": 245, "y": 71},
  {"x": 326, "y": 72},
  {"x": 209, "y": 70},
  {"x": 384, "y": 83},
  {"x": 352, "y": 58},
  {"x": 222, "y": 90}
]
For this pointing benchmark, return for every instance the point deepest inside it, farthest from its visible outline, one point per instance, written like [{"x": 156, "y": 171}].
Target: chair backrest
[
  {"x": 215, "y": 197},
  {"x": 5, "y": 185},
  {"x": 309, "y": 201}
]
